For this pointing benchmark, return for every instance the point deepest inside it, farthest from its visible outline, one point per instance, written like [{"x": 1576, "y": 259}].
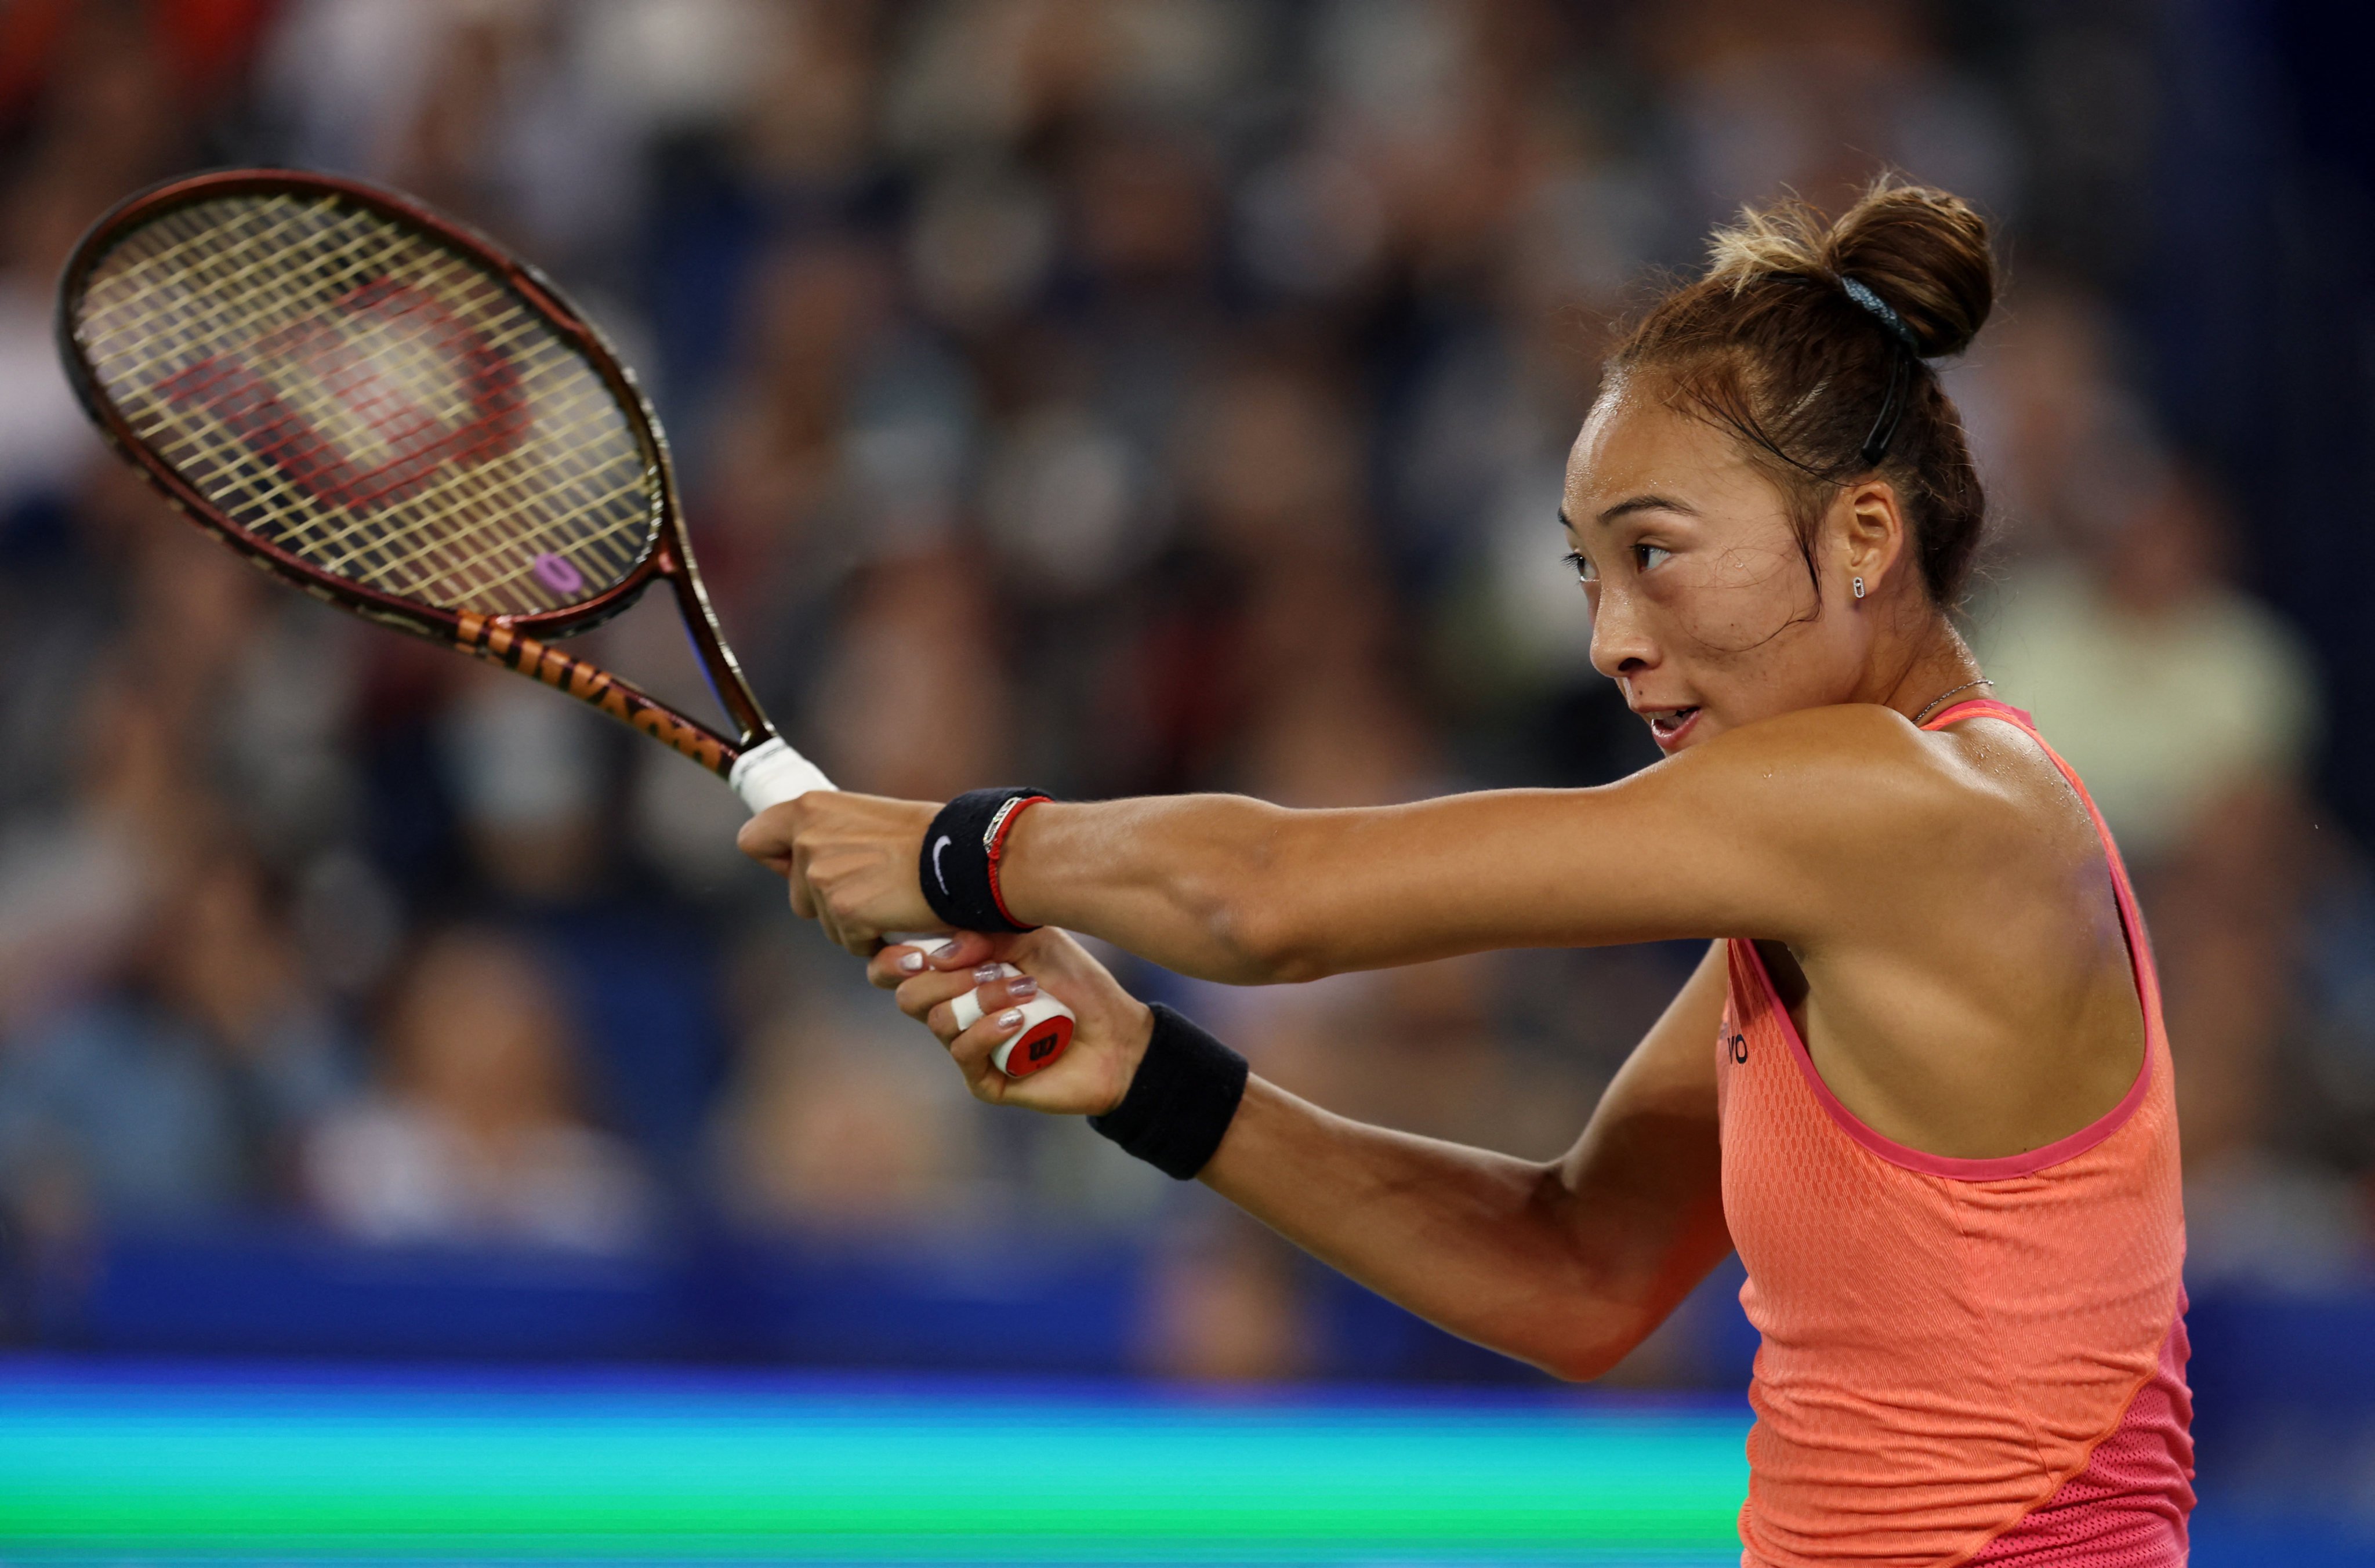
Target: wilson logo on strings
[{"x": 349, "y": 420}]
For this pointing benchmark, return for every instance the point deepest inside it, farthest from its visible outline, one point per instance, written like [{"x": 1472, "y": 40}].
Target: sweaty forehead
[{"x": 1632, "y": 444}]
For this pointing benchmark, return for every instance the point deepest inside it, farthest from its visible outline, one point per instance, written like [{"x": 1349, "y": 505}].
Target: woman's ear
[{"x": 1871, "y": 529}]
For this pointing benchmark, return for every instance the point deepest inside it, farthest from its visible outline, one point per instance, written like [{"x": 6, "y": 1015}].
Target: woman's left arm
[{"x": 1783, "y": 829}]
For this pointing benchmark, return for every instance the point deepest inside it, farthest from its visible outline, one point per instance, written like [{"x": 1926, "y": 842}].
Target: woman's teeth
[{"x": 1672, "y": 720}]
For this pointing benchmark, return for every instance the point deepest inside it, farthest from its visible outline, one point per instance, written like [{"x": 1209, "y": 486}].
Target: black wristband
[
  {"x": 1180, "y": 1102},
  {"x": 959, "y": 865}
]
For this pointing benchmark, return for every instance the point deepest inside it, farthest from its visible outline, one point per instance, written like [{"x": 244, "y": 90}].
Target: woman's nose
[{"x": 1619, "y": 643}]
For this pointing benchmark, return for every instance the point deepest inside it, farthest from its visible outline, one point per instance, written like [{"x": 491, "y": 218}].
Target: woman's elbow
[
  {"x": 1573, "y": 1353},
  {"x": 1261, "y": 931},
  {"x": 1593, "y": 1326},
  {"x": 1265, "y": 943},
  {"x": 1581, "y": 1363},
  {"x": 1247, "y": 946}
]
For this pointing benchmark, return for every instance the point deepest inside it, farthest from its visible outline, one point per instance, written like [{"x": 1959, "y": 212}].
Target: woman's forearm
[
  {"x": 1183, "y": 881},
  {"x": 1234, "y": 889},
  {"x": 1485, "y": 1245},
  {"x": 1230, "y": 888}
]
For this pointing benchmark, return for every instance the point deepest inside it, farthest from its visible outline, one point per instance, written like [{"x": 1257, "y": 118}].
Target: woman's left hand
[
  {"x": 851, "y": 862},
  {"x": 1110, "y": 1037}
]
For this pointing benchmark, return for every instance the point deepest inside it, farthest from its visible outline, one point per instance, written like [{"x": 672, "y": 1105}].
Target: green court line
[{"x": 378, "y": 1471}]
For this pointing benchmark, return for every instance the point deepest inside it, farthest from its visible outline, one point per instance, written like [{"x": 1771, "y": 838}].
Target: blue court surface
[{"x": 146, "y": 1462}]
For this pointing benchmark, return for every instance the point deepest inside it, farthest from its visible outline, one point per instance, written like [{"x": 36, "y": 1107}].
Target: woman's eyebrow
[
  {"x": 1633, "y": 504},
  {"x": 1645, "y": 503}
]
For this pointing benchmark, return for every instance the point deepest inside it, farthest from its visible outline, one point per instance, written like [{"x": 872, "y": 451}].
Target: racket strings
[{"x": 375, "y": 403}]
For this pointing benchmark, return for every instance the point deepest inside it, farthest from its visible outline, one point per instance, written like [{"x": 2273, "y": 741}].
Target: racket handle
[
  {"x": 1047, "y": 1028},
  {"x": 772, "y": 773}
]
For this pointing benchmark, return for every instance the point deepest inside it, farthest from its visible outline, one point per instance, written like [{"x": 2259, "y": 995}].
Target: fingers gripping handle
[
  {"x": 770, "y": 773},
  {"x": 1047, "y": 1028}
]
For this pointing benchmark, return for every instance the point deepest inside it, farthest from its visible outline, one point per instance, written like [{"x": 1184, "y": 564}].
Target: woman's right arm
[
  {"x": 1797, "y": 829},
  {"x": 1567, "y": 1264}
]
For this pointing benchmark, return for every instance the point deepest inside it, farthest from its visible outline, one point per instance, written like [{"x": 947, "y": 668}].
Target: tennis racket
[{"x": 378, "y": 406}]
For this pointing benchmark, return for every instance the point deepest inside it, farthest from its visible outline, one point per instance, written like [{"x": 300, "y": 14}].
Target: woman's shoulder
[
  {"x": 1859, "y": 783},
  {"x": 1859, "y": 755},
  {"x": 1876, "y": 742}
]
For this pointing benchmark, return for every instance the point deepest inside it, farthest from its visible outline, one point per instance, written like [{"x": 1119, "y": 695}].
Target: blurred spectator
[
  {"x": 1333, "y": 720},
  {"x": 1227, "y": 1302},
  {"x": 2168, "y": 692},
  {"x": 527, "y": 780},
  {"x": 473, "y": 1134},
  {"x": 914, "y": 701},
  {"x": 981, "y": 244},
  {"x": 2064, "y": 437},
  {"x": 820, "y": 311},
  {"x": 44, "y": 439},
  {"x": 74, "y": 886},
  {"x": 844, "y": 1121},
  {"x": 997, "y": 71},
  {"x": 178, "y": 1092},
  {"x": 486, "y": 110},
  {"x": 1809, "y": 97},
  {"x": 78, "y": 877}
]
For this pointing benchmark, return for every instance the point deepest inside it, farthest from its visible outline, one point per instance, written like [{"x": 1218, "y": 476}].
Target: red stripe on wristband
[{"x": 997, "y": 847}]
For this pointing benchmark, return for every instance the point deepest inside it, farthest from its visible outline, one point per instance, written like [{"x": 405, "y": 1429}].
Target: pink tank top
[{"x": 1962, "y": 1361}]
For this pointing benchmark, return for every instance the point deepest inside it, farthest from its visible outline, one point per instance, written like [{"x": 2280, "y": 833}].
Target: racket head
[{"x": 370, "y": 400}]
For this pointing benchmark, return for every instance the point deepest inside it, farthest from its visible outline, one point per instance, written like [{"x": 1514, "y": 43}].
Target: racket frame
[
  {"x": 757, "y": 762},
  {"x": 520, "y": 642}
]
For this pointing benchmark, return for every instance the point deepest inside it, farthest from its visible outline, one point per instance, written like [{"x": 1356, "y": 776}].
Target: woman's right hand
[{"x": 1109, "y": 1035}]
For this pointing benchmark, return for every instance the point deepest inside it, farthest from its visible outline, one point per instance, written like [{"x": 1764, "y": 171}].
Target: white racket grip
[
  {"x": 772, "y": 773},
  {"x": 1045, "y": 1029}
]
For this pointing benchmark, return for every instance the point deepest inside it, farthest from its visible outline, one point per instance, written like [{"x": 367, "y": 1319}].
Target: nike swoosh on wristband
[{"x": 945, "y": 842}]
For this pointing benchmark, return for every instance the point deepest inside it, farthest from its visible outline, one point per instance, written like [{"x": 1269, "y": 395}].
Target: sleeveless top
[{"x": 1961, "y": 1361}]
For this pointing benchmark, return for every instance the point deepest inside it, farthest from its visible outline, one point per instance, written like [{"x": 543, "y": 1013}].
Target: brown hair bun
[{"x": 1770, "y": 344}]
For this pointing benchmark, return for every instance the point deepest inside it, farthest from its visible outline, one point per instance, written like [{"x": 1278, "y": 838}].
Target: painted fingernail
[
  {"x": 943, "y": 950},
  {"x": 911, "y": 963},
  {"x": 1021, "y": 988},
  {"x": 984, "y": 974},
  {"x": 1010, "y": 1018}
]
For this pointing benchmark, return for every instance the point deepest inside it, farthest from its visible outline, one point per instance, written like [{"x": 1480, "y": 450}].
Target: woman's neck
[{"x": 1939, "y": 662}]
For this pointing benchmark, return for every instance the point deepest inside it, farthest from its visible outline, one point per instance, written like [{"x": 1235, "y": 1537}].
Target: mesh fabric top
[{"x": 370, "y": 401}]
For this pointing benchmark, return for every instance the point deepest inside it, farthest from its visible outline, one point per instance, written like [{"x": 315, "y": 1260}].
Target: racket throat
[
  {"x": 718, "y": 665},
  {"x": 494, "y": 640}
]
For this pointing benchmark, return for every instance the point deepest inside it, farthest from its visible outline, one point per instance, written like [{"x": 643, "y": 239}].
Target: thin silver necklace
[{"x": 1933, "y": 701}]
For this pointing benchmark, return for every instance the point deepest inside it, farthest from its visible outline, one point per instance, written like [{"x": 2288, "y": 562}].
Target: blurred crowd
[{"x": 1119, "y": 395}]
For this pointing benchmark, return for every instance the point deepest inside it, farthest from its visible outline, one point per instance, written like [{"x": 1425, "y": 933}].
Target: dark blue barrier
[
  {"x": 993, "y": 1302},
  {"x": 293, "y": 1292},
  {"x": 2255, "y": 1348},
  {"x": 2295, "y": 1362},
  {"x": 2283, "y": 1404},
  {"x": 1020, "y": 1301}
]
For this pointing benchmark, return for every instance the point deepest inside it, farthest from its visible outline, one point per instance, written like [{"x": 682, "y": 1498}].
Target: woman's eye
[
  {"x": 1583, "y": 573},
  {"x": 1647, "y": 556}
]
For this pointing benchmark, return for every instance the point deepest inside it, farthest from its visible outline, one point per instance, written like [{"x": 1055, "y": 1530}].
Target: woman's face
[{"x": 1702, "y": 608}]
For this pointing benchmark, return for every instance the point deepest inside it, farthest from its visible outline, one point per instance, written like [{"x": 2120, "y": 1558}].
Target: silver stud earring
[{"x": 1859, "y": 587}]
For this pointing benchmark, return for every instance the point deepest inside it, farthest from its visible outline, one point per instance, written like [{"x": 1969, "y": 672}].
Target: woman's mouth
[{"x": 1667, "y": 726}]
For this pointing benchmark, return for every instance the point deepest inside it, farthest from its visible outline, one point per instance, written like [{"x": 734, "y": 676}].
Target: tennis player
[{"x": 1919, "y": 1081}]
